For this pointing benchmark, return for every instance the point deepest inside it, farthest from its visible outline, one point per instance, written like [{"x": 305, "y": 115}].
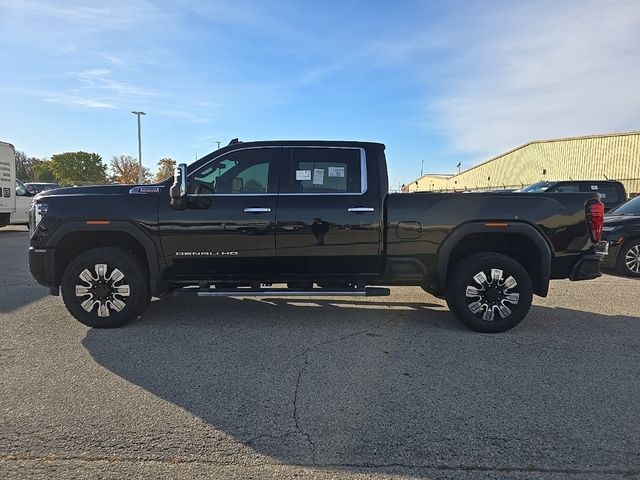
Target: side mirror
[{"x": 178, "y": 190}]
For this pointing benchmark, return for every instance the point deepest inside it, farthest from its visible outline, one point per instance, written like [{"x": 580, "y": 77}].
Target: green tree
[
  {"x": 124, "y": 169},
  {"x": 25, "y": 166},
  {"x": 43, "y": 172},
  {"x": 165, "y": 169},
  {"x": 78, "y": 167}
]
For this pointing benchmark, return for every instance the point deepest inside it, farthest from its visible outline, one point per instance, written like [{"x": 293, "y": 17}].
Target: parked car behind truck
[
  {"x": 612, "y": 193},
  {"x": 622, "y": 233},
  {"x": 314, "y": 216},
  {"x": 37, "y": 187}
]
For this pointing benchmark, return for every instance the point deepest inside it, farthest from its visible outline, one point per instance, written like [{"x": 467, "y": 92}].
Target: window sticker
[
  {"x": 303, "y": 174},
  {"x": 336, "y": 171},
  {"x": 318, "y": 176},
  {"x": 594, "y": 187}
]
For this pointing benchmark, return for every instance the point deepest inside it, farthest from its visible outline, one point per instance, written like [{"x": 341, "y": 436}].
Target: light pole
[
  {"x": 218, "y": 142},
  {"x": 137, "y": 114}
]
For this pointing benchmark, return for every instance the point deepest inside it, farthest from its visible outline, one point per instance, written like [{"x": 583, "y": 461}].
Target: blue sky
[{"x": 444, "y": 82}]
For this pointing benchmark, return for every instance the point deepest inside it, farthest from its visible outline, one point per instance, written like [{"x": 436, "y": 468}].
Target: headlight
[
  {"x": 39, "y": 212},
  {"x": 608, "y": 229}
]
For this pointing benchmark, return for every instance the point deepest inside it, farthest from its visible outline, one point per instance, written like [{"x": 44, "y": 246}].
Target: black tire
[
  {"x": 101, "y": 287},
  {"x": 629, "y": 249},
  {"x": 490, "y": 296}
]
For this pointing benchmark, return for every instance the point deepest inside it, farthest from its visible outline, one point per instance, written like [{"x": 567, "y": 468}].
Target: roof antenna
[{"x": 234, "y": 141}]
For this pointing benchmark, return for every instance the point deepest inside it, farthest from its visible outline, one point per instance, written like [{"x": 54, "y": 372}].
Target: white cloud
[
  {"x": 94, "y": 73},
  {"x": 94, "y": 13},
  {"x": 513, "y": 72},
  {"x": 73, "y": 100},
  {"x": 546, "y": 71}
]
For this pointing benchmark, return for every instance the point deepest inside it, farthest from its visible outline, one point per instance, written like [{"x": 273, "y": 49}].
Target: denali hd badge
[{"x": 206, "y": 254}]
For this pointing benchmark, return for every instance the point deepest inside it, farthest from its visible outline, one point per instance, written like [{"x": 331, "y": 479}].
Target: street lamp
[{"x": 139, "y": 147}]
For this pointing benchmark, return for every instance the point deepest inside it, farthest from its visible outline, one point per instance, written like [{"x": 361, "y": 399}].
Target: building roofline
[
  {"x": 442, "y": 175},
  {"x": 551, "y": 140}
]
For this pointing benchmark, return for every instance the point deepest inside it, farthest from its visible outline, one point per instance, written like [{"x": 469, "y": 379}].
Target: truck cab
[{"x": 278, "y": 211}]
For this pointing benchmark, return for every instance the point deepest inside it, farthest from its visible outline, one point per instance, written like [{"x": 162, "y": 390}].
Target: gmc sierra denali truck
[{"x": 314, "y": 217}]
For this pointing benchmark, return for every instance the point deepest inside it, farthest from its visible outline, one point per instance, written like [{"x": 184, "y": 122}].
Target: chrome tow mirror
[{"x": 178, "y": 190}]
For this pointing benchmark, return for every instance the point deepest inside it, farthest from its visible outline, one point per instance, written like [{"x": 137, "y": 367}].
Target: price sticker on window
[
  {"x": 303, "y": 174},
  {"x": 318, "y": 176},
  {"x": 336, "y": 171}
]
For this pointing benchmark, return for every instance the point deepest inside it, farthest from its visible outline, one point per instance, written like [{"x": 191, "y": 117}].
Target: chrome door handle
[
  {"x": 257, "y": 210},
  {"x": 361, "y": 209}
]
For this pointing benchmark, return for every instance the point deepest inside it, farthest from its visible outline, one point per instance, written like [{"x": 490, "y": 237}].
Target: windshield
[
  {"x": 536, "y": 187},
  {"x": 632, "y": 207}
]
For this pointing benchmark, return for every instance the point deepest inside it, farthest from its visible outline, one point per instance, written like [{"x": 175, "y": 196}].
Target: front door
[
  {"x": 228, "y": 225},
  {"x": 329, "y": 221}
]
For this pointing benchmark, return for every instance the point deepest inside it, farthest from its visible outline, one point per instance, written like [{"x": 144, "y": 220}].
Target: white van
[
  {"x": 7, "y": 182},
  {"x": 15, "y": 199}
]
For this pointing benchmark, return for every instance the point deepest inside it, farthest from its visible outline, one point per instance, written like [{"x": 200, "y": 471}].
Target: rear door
[{"x": 329, "y": 218}]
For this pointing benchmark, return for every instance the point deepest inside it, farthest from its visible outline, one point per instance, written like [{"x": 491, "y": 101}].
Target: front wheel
[
  {"x": 489, "y": 292},
  {"x": 105, "y": 287}
]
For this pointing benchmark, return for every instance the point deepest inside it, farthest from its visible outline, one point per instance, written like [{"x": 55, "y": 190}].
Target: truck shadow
[
  {"x": 345, "y": 383},
  {"x": 18, "y": 287}
]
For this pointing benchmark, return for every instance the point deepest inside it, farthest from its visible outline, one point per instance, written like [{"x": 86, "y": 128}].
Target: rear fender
[{"x": 540, "y": 281}]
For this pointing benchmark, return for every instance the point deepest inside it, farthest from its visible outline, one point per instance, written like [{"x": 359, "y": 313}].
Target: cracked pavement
[{"x": 390, "y": 387}]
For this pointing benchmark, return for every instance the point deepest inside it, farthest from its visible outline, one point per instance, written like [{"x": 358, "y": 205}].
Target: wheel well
[
  {"x": 515, "y": 245},
  {"x": 74, "y": 244}
]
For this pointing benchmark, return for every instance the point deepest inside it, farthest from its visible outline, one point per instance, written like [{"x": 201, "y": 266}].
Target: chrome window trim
[{"x": 363, "y": 174}]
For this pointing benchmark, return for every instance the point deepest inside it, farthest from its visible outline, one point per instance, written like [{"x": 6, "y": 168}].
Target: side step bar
[{"x": 281, "y": 292}]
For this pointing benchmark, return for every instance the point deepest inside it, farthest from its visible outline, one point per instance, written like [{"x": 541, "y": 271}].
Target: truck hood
[{"x": 92, "y": 190}]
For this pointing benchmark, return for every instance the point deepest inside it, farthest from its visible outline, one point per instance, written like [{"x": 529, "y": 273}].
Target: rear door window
[{"x": 322, "y": 170}]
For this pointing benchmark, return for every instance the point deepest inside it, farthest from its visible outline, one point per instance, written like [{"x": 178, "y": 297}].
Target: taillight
[{"x": 595, "y": 219}]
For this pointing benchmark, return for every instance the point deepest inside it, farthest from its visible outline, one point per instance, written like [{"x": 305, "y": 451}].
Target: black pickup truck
[{"x": 306, "y": 218}]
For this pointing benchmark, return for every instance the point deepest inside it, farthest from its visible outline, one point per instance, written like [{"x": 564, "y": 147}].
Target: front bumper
[
  {"x": 587, "y": 267},
  {"x": 42, "y": 266}
]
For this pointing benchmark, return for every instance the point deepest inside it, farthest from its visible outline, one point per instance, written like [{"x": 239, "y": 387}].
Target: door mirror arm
[{"x": 178, "y": 190}]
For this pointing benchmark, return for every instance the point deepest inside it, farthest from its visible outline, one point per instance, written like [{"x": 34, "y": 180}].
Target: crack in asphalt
[
  {"x": 296, "y": 419},
  {"x": 305, "y": 354},
  {"x": 627, "y": 472}
]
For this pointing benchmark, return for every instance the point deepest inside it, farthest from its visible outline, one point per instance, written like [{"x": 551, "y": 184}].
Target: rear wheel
[
  {"x": 489, "y": 292},
  {"x": 105, "y": 287},
  {"x": 628, "y": 262}
]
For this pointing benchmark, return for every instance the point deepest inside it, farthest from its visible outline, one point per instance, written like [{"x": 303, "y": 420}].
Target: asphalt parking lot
[{"x": 392, "y": 387}]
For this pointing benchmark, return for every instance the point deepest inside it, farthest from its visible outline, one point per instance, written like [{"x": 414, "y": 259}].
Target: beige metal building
[{"x": 613, "y": 156}]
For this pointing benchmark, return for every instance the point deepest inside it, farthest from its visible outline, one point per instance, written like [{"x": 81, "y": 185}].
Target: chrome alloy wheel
[
  {"x": 108, "y": 292},
  {"x": 632, "y": 259},
  {"x": 486, "y": 295}
]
